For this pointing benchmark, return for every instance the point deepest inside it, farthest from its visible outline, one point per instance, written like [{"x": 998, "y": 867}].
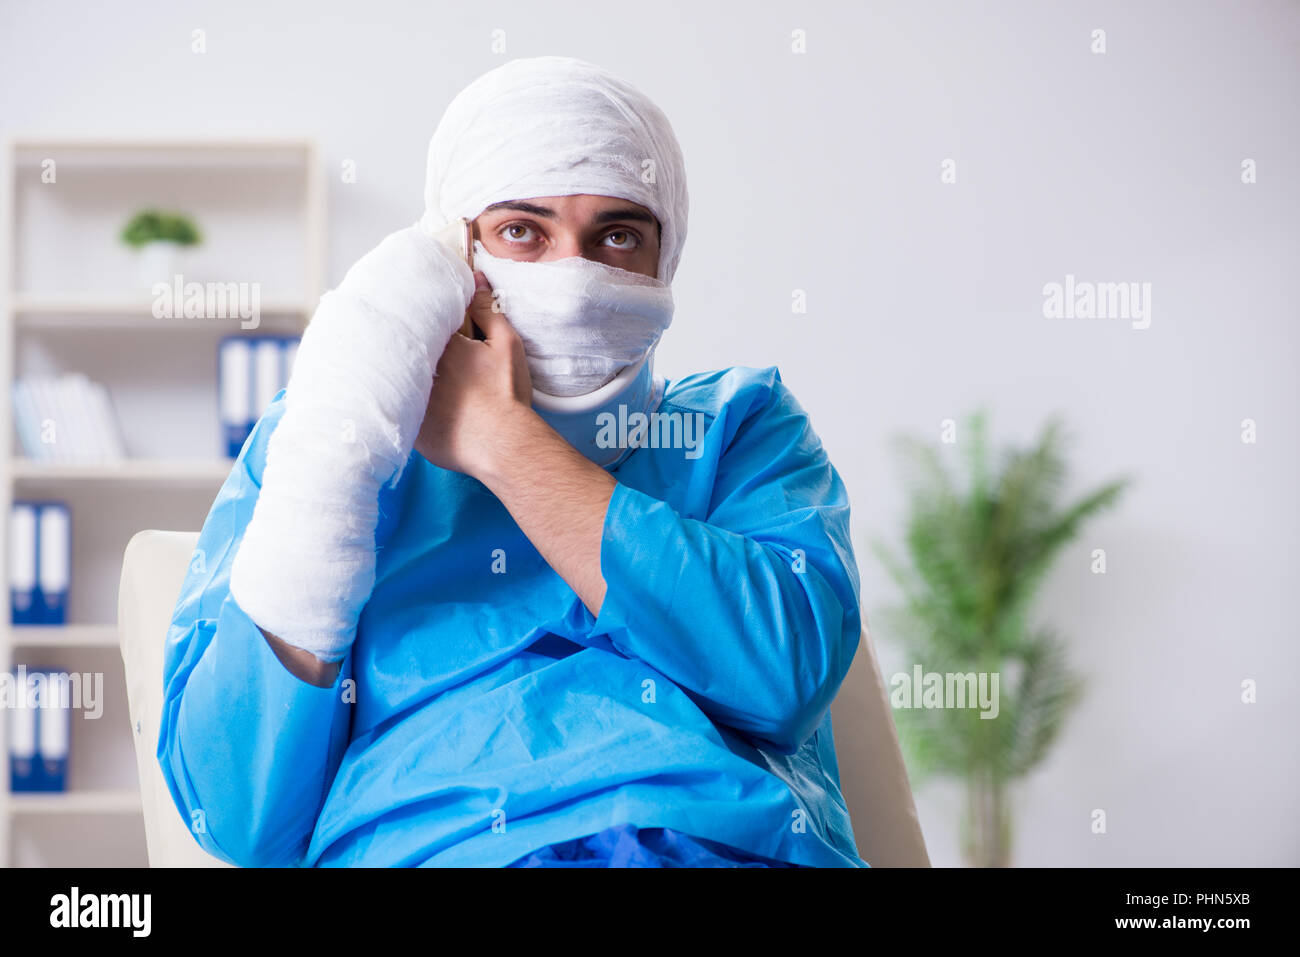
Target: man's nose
[{"x": 566, "y": 245}]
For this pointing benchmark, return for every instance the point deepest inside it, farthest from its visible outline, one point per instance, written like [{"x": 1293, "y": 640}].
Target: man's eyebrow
[
  {"x": 605, "y": 216},
  {"x": 523, "y": 208},
  {"x": 639, "y": 215}
]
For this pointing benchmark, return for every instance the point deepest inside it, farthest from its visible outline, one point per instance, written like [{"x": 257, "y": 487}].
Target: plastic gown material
[
  {"x": 626, "y": 845},
  {"x": 483, "y": 714}
]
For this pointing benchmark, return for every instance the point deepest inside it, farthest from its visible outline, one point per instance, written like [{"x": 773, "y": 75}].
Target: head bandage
[{"x": 556, "y": 126}]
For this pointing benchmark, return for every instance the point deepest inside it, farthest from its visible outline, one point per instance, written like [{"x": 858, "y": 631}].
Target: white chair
[{"x": 872, "y": 774}]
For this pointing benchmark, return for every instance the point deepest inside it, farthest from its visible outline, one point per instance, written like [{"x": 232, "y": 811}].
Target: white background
[{"x": 821, "y": 172}]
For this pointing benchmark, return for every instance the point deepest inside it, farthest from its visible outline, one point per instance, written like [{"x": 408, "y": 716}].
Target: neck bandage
[{"x": 634, "y": 389}]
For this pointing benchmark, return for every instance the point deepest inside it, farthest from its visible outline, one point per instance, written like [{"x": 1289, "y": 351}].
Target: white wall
[{"x": 821, "y": 172}]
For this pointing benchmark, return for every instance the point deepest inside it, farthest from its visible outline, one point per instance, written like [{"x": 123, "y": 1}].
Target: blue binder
[
  {"x": 40, "y": 725},
  {"x": 40, "y": 562},
  {"x": 25, "y": 772},
  {"x": 250, "y": 371},
  {"x": 22, "y": 563},
  {"x": 235, "y": 392},
  {"x": 54, "y": 731}
]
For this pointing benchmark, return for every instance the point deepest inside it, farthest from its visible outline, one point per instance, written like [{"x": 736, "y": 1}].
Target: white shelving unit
[{"x": 73, "y": 302}]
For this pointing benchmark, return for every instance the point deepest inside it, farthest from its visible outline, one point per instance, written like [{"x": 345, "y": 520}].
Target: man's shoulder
[
  {"x": 734, "y": 390},
  {"x": 746, "y": 401}
]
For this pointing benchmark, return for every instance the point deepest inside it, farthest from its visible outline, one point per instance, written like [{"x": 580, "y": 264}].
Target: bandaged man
[{"x": 512, "y": 598}]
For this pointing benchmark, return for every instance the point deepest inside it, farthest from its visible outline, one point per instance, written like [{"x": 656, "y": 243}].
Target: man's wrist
[
  {"x": 517, "y": 432},
  {"x": 557, "y": 496}
]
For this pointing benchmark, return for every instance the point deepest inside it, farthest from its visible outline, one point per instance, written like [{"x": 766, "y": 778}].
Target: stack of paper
[{"x": 66, "y": 418}]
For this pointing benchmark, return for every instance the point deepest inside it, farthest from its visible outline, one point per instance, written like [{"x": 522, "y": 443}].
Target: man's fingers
[{"x": 492, "y": 323}]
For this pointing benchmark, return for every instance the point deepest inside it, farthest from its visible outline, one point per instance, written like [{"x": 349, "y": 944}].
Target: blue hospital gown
[{"x": 483, "y": 715}]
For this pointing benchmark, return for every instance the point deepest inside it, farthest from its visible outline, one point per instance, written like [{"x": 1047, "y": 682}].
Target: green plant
[
  {"x": 977, "y": 554},
  {"x": 152, "y": 225}
]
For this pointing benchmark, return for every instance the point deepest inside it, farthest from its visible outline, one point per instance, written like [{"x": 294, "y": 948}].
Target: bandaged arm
[
  {"x": 753, "y": 611},
  {"x": 359, "y": 391}
]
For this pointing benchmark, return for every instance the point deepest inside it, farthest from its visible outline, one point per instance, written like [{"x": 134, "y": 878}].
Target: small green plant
[
  {"x": 977, "y": 552},
  {"x": 152, "y": 225}
]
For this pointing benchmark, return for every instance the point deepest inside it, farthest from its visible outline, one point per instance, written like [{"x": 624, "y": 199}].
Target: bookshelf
[{"x": 73, "y": 301}]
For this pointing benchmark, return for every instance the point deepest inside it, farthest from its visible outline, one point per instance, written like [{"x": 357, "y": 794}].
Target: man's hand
[
  {"x": 480, "y": 421},
  {"x": 302, "y": 664},
  {"x": 478, "y": 387}
]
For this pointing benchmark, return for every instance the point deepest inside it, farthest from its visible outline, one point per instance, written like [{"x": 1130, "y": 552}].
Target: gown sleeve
[
  {"x": 753, "y": 608},
  {"x": 248, "y": 750}
]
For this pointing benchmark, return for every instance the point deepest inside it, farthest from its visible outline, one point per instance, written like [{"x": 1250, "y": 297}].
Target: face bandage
[
  {"x": 556, "y": 126},
  {"x": 581, "y": 322}
]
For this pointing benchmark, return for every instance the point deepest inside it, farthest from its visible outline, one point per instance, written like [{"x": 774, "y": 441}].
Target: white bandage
[
  {"x": 582, "y": 322},
  {"x": 353, "y": 407},
  {"x": 556, "y": 126}
]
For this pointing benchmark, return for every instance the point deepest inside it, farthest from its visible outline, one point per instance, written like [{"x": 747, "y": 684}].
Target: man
[{"x": 477, "y": 619}]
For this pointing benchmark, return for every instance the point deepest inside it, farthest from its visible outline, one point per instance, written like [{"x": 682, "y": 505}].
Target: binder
[
  {"x": 24, "y": 772},
  {"x": 235, "y": 393},
  {"x": 40, "y": 562},
  {"x": 267, "y": 373},
  {"x": 22, "y": 564},
  {"x": 250, "y": 372},
  {"x": 54, "y": 562},
  {"x": 53, "y": 731},
  {"x": 290, "y": 354},
  {"x": 40, "y": 729}
]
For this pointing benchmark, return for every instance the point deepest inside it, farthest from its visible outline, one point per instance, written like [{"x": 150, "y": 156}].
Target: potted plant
[
  {"x": 157, "y": 235},
  {"x": 976, "y": 553}
]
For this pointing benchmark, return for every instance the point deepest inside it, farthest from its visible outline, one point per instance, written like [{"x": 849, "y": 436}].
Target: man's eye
[
  {"x": 623, "y": 239},
  {"x": 516, "y": 232}
]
